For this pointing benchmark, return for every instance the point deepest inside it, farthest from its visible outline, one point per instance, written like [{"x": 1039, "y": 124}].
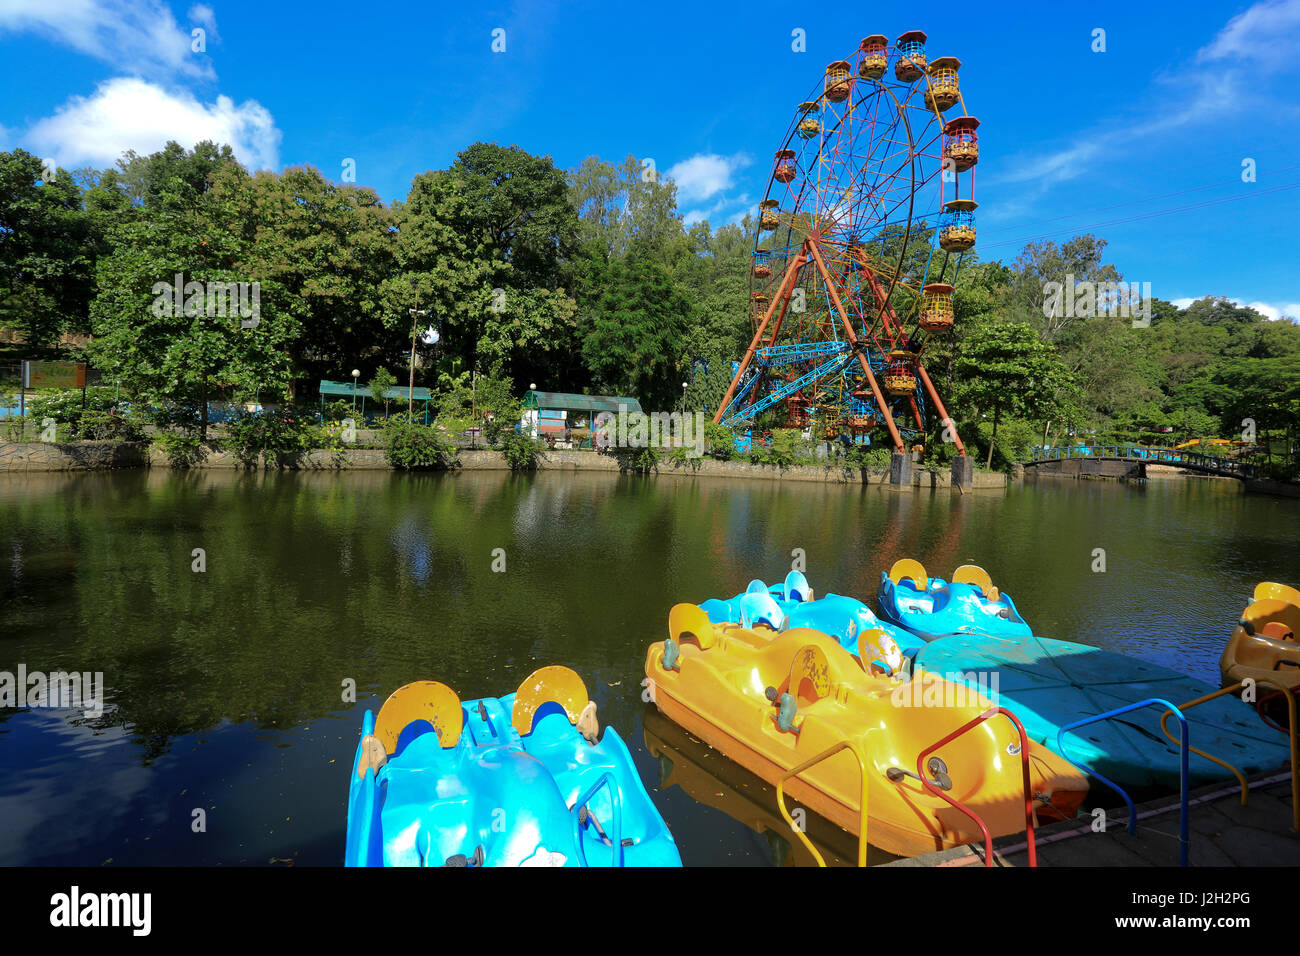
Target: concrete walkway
[{"x": 1222, "y": 833}]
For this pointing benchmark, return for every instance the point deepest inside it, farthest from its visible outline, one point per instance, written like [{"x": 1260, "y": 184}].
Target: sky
[{"x": 1140, "y": 123}]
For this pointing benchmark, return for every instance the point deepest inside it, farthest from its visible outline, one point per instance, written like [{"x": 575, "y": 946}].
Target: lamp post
[
  {"x": 410, "y": 389},
  {"x": 356, "y": 374},
  {"x": 685, "y": 385}
]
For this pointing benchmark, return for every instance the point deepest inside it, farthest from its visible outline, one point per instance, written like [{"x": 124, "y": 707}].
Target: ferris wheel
[{"x": 863, "y": 227}]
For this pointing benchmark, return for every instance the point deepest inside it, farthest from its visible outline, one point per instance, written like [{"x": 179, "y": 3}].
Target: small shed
[
  {"x": 354, "y": 391},
  {"x": 567, "y": 419}
]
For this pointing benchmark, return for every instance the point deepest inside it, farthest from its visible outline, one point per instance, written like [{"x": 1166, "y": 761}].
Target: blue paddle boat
[
  {"x": 932, "y": 607},
  {"x": 521, "y": 780},
  {"x": 790, "y": 604}
]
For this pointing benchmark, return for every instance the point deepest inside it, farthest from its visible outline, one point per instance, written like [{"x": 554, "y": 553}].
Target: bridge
[{"x": 1101, "y": 461}]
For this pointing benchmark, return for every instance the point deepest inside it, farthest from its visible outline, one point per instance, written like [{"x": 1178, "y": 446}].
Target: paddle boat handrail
[
  {"x": 1183, "y": 839},
  {"x": 1292, "y": 709},
  {"x": 606, "y": 779},
  {"x": 851, "y": 747},
  {"x": 1024, "y": 769}
]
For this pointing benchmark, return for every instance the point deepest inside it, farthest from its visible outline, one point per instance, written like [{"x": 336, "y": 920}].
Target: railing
[
  {"x": 1183, "y": 839},
  {"x": 606, "y": 779},
  {"x": 852, "y": 748},
  {"x": 1158, "y": 456},
  {"x": 1024, "y": 768},
  {"x": 1295, "y": 742}
]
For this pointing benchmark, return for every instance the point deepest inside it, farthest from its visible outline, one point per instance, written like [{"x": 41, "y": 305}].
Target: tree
[
  {"x": 181, "y": 355},
  {"x": 1007, "y": 370},
  {"x": 47, "y": 250},
  {"x": 379, "y": 385},
  {"x": 633, "y": 329}
]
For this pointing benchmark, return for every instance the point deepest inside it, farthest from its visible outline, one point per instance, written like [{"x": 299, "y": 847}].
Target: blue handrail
[
  {"x": 1183, "y": 839},
  {"x": 616, "y": 801}
]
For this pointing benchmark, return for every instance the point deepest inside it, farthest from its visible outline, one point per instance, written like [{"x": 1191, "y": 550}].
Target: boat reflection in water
[{"x": 710, "y": 778}]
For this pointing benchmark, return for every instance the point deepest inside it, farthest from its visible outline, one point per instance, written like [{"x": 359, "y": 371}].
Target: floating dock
[{"x": 1222, "y": 832}]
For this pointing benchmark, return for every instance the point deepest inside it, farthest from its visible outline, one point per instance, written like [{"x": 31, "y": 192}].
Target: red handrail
[{"x": 1024, "y": 768}]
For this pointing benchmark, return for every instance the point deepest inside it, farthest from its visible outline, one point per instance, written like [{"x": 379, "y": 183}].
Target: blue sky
[{"x": 1071, "y": 139}]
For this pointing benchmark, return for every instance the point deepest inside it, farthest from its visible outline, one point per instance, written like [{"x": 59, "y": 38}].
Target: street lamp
[
  {"x": 356, "y": 374},
  {"x": 410, "y": 391},
  {"x": 685, "y": 385}
]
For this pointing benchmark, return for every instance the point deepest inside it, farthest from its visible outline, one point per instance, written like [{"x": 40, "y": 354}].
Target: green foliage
[
  {"x": 788, "y": 448},
  {"x": 184, "y": 449},
  {"x": 273, "y": 436},
  {"x": 485, "y": 399},
  {"x": 380, "y": 383},
  {"x": 413, "y": 446},
  {"x": 520, "y": 451},
  {"x": 868, "y": 456},
  {"x": 100, "y": 420},
  {"x": 634, "y": 324},
  {"x": 1006, "y": 370},
  {"x": 721, "y": 441}
]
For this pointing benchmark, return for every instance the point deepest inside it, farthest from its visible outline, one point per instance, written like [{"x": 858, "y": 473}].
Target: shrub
[
  {"x": 787, "y": 448},
  {"x": 280, "y": 435},
  {"x": 869, "y": 456},
  {"x": 520, "y": 451},
  {"x": 183, "y": 449},
  {"x": 721, "y": 441},
  {"x": 412, "y": 446}
]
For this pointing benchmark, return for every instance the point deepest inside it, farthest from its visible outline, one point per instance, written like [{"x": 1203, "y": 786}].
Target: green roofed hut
[
  {"x": 567, "y": 420},
  {"x": 354, "y": 391}
]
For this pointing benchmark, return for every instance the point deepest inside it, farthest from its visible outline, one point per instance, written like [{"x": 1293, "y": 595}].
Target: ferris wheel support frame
[
  {"x": 782, "y": 293},
  {"x": 944, "y": 420},
  {"x": 811, "y": 244}
]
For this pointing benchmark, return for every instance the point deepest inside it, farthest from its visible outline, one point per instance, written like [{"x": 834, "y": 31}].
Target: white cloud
[
  {"x": 129, "y": 113},
  {"x": 1266, "y": 34},
  {"x": 704, "y": 175},
  {"x": 1270, "y": 311},
  {"x": 1257, "y": 41},
  {"x": 135, "y": 36}
]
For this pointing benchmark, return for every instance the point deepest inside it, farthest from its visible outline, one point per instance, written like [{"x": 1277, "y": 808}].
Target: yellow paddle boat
[
  {"x": 1263, "y": 645},
  {"x": 910, "y": 766}
]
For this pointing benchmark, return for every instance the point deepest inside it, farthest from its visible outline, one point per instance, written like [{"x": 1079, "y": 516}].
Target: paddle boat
[
  {"x": 522, "y": 780},
  {"x": 931, "y": 607},
  {"x": 1263, "y": 645},
  {"x": 1050, "y": 684},
  {"x": 791, "y": 605},
  {"x": 850, "y": 742}
]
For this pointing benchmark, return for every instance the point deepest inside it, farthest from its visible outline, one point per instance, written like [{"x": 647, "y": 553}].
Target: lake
[{"x": 224, "y": 688}]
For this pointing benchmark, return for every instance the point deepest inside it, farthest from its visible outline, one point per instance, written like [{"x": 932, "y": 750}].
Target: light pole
[
  {"x": 685, "y": 385},
  {"x": 410, "y": 389},
  {"x": 356, "y": 374}
]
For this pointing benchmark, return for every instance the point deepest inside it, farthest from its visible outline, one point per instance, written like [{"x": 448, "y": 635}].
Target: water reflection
[{"x": 226, "y": 688}]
